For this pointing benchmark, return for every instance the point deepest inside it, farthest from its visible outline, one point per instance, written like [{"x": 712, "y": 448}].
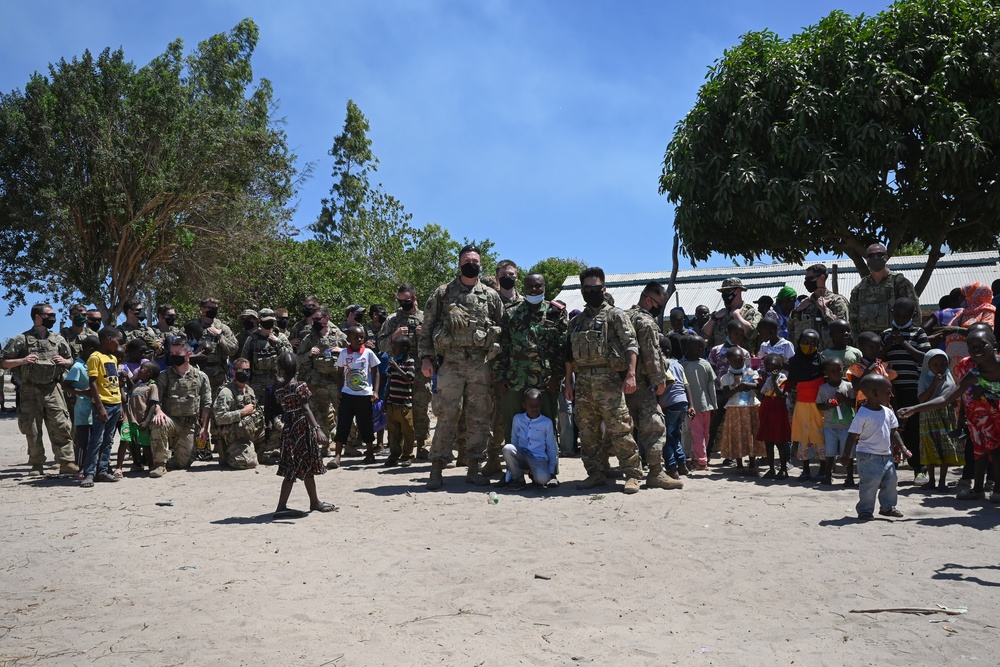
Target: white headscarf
[{"x": 927, "y": 376}]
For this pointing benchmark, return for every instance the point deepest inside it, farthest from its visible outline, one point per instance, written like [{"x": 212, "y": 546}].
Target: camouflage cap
[
  {"x": 267, "y": 314},
  {"x": 731, "y": 284},
  {"x": 248, "y": 313}
]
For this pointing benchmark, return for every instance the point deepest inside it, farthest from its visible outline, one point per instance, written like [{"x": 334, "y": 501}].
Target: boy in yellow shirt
[{"x": 102, "y": 369}]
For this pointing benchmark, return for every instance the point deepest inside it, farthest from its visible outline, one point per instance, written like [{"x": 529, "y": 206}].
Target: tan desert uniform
[
  {"x": 599, "y": 342},
  {"x": 421, "y": 384},
  {"x": 241, "y": 436},
  {"x": 462, "y": 325},
  {"x": 182, "y": 398},
  {"x": 42, "y": 398},
  {"x": 320, "y": 375}
]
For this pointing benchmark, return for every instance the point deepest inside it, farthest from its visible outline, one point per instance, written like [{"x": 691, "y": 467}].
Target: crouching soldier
[
  {"x": 183, "y": 413},
  {"x": 240, "y": 419}
]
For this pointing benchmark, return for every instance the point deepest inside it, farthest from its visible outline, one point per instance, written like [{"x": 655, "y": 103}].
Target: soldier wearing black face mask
[
  {"x": 734, "y": 308},
  {"x": 507, "y": 280},
  {"x": 38, "y": 359},
  {"x": 166, "y": 319},
  {"x": 240, "y": 419},
  {"x": 872, "y": 299},
  {"x": 819, "y": 310},
  {"x": 135, "y": 326},
  {"x": 310, "y": 305},
  {"x": 77, "y": 332}
]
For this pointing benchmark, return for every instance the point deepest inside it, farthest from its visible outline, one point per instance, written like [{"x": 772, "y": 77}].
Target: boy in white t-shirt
[
  {"x": 875, "y": 431},
  {"x": 357, "y": 373}
]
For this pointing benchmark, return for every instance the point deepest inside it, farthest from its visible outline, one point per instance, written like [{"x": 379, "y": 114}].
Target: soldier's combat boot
[
  {"x": 436, "y": 480},
  {"x": 36, "y": 471},
  {"x": 657, "y": 479},
  {"x": 473, "y": 476},
  {"x": 422, "y": 451},
  {"x": 68, "y": 468},
  {"x": 592, "y": 482},
  {"x": 492, "y": 467},
  {"x": 631, "y": 486}
]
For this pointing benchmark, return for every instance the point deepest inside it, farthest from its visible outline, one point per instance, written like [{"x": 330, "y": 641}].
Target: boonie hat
[
  {"x": 731, "y": 284},
  {"x": 248, "y": 313},
  {"x": 267, "y": 314}
]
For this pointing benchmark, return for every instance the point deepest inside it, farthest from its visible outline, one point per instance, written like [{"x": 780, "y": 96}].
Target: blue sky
[{"x": 540, "y": 124}]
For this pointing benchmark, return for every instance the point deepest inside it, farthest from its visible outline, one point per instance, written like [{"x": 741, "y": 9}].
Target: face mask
[
  {"x": 248, "y": 325},
  {"x": 471, "y": 270},
  {"x": 140, "y": 315},
  {"x": 79, "y": 320},
  {"x": 406, "y": 305},
  {"x": 811, "y": 285},
  {"x": 317, "y": 327},
  {"x": 307, "y": 311},
  {"x": 94, "y": 326},
  {"x": 736, "y": 371},
  {"x": 655, "y": 310},
  {"x": 242, "y": 376},
  {"x": 728, "y": 297},
  {"x": 48, "y": 322},
  {"x": 266, "y": 326},
  {"x": 210, "y": 313},
  {"x": 876, "y": 263},
  {"x": 534, "y": 299},
  {"x": 176, "y": 359},
  {"x": 283, "y": 323},
  {"x": 169, "y": 320},
  {"x": 807, "y": 349},
  {"x": 507, "y": 282},
  {"x": 901, "y": 326},
  {"x": 594, "y": 296}
]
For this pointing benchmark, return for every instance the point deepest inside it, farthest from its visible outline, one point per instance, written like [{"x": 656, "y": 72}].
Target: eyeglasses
[
  {"x": 93, "y": 321},
  {"x": 876, "y": 255}
]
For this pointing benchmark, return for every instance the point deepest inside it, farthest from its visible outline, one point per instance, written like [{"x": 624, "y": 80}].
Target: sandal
[
  {"x": 118, "y": 473},
  {"x": 289, "y": 514},
  {"x": 324, "y": 507}
]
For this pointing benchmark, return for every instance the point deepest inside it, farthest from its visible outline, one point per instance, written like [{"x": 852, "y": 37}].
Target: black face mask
[
  {"x": 471, "y": 270},
  {"x": 406, "y": 305},
  {"x": 48, "y": 322},
  {"x": 242, "y": 376},
  {"x": 655, "y": 310},
  {"x": 811, "y": 285},
  {"x": 283, "y": 323},
  {"x": 728, "y": 298},
  {"x": 140, "y": 315},
  {"x": 210, "y": 313},
  {"x": 307, "y": 311},
  {"x": 317, "y": 327},
  {"x": 176, "y": 359},
  {"x": 266, "y": 326},
  {"x": 94, "y": 326},
  {"x": 876, "y": 263},
  {"x": 79, "y": 320},
  {"x": 594, "y": 296},
  {"x": 248, "y": 325},
  {"x": 507, "y": 282},
  {"x": 169, "y": 320}
]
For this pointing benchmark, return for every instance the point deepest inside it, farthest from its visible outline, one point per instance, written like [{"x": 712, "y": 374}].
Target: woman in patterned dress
[
  {"x": 978, "y": 385},
  {"x": 301, "y": 438}
]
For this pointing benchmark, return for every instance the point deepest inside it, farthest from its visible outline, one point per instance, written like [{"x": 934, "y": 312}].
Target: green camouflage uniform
[
  {"x": 464, "y": 375},
  {"x": 182, "y": 398},
  {"x": 651, "y": 369},
  {"x": 320, "y": 375},
  {"x": 241, "y": 436},
  {"x": 818, "y": 313},
  {"x": 42, "y": 397},
  {"x": 720, "y": 326},
  {"x": 532, "y": 352},
  {"x": 421, "y": 384},
  {"x": 598, "y": 342},
  {"x": 871, "y": 302}
]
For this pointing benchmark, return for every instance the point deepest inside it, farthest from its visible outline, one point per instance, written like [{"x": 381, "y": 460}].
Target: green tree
[
  {"x": 114, "y": 178},
  {"x": 855, "y": 130},
  {"x": 556, "y": 270}
]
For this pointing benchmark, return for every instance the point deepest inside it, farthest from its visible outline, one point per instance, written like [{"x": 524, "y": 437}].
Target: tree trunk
[
  {"x": 932, "y": 259},
  {"x": 671, "y": 286}
]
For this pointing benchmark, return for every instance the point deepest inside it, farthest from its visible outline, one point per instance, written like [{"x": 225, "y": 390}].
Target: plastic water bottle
[
  {"x": 327, "y": 353},
  {"x": 493, "y": 498},
  {"x": 434, "y": 383}
]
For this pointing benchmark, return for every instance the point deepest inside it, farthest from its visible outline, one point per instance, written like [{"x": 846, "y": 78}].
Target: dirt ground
[{"x": 728, "y": 571}]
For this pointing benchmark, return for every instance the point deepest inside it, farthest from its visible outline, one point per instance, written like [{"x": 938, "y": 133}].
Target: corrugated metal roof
[{"x": 700, "y": 286}]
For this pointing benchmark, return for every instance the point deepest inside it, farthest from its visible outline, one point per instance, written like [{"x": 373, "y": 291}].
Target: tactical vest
[
  {"x": 263, "y": 355},
  {"x": 592, "y": 347},
  {"x": 181, "y": 395},
  {"x": 44, "y": 371},
  {"x": 323, "y": 363},
  {"x": 247, "y": 428},
  {"x": 479, "y": 334}
]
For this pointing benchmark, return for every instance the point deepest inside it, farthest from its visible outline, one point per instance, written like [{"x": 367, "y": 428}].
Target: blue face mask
[
  {"x": 902, "y": 326},
  {"x": 737, "y": 371},
  {"x": 534, "y": 299}
]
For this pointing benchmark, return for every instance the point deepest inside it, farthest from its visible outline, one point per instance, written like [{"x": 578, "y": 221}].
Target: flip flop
[
  {"x": 289, "y": 514},
  {"x": 324, "y": 507}
]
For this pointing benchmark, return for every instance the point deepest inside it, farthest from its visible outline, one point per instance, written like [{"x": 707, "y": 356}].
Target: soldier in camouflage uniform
[
  {"x": 532, "y": 352},
  {"x": 246, "y": 325},
  {"x": 217, "y": 344},
  {"x": 166, "y": 324},
  {"x": 409, "y": 320},
  {"x": 735, "y": 309},
  {"x": 310, "y": 305},
  {"x": 818, "y": 311},
  {"x": 39, "y": 359},
  {"x": 601, "y": 345},
  {"x": 318, "y": 352},
  {"x": 462, "y": 326},
  {"x": 135, "y": 327},
  {"x": 652, "y": 378},
  {"x": 240, "y": 419},
  {"x": 262, "y": 348},
  {"x": 872, "y": 298},
  {"x": 75, "y": 334},
  {"x": 183, "y": 413}
]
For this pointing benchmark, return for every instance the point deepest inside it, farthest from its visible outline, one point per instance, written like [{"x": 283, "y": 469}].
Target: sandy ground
[{"x": 728, "y": 571}]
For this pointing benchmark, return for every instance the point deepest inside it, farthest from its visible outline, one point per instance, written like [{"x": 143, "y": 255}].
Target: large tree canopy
[
  {"x": 114, "y": 178},
  {"x": 858, "y": 129}
]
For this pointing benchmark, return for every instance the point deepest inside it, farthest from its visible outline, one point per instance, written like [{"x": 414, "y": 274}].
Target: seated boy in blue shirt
[{"x": 532, "y": 446}]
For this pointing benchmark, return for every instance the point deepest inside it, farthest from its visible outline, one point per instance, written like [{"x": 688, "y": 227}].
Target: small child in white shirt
[
  {"x": 532, "y": 446},
  {"x": 875, "y": 431}
]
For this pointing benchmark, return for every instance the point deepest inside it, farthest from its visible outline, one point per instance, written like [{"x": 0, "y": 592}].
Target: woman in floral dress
[
  {"x": 301, "y": 438},
  {"x": 978, "y": 385}
]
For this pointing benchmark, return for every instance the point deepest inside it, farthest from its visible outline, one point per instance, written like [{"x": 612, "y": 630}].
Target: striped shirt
[
  {"x": 899, "y": 359},
  {"x": 400, "y": 390}
]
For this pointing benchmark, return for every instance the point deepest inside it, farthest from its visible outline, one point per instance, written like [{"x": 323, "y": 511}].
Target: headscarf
[
  {"x": 978, "y": 306},
  {"x": 927, "y": 376},
  {"x": 785, "y": 292}
]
